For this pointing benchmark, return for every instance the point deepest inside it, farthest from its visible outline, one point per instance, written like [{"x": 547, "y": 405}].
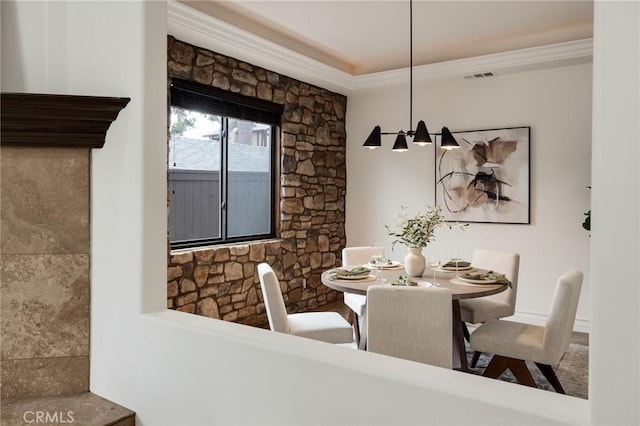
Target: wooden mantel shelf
[{"x": 57, "y": 120}]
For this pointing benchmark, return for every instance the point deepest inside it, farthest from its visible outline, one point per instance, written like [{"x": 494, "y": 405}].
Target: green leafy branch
[{"x": 416, "y": 231}]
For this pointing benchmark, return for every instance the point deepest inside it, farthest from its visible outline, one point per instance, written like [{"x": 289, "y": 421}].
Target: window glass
[
  {"x": 221, "y": 183},
  {"x": 249, "y": 194},
  {"x": 194, "y": 175}
]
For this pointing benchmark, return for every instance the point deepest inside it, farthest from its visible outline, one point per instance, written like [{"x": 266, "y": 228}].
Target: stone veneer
[{"x": 221, "y": 281}]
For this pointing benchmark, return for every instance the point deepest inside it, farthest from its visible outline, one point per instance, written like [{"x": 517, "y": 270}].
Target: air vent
[{"x": 480, "y": 75}]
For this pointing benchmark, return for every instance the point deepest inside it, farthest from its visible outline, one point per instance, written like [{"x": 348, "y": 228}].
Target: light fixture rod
[
  {"x": 411, "y": 66},
  {"x": 420, "y": 134}
]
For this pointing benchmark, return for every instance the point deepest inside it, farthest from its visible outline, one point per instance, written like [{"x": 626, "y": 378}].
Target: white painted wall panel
[{"x": 614, "y": 377}]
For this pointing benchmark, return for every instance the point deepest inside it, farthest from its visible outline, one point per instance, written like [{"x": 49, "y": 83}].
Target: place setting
[
  {"x": 382, "y": 262},
  {"x": 406, "y": 281},
  {"x": 360, "y": 273},
  {"x": 453, "y": 265},
  {"x": 480, "y": 277}
]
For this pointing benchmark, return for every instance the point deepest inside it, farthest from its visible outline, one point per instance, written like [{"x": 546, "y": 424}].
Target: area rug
[{"x": 573, "y": 371}]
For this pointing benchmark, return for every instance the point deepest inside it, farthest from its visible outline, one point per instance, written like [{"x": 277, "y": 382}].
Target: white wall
[
  {"x": 614, "y": 372},
  {"x": 555, "y": 103},
  {"x": 175, "y": 368}
]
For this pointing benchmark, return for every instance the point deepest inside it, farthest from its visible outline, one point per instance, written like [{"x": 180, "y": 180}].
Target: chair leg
[
  {"x": 353, "y": 320},
  {"x": 475, "y": 358},
  {"x": 550, "y": 375},
  {"x": 522, "y": 373},
  {"x": 496, "y": 367},
  {"x": 465, "y": 330},
  {"x": 518, "y": 367},
  {"x": 362, "y": 321}
]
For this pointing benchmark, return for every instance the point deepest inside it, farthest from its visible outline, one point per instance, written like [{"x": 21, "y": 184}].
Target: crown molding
[
  {"x": 553, "y": 55},
  {"x": 200, "y": 29}
]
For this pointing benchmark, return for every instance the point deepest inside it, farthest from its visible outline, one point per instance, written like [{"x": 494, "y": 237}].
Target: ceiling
[{"x": 368, "y": 36}]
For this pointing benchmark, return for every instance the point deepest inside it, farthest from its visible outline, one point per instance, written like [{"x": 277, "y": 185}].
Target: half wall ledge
[{"x": 30, "y": 119}]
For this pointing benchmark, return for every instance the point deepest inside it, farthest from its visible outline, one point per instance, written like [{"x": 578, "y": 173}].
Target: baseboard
[{"x": 580, "y": 325}]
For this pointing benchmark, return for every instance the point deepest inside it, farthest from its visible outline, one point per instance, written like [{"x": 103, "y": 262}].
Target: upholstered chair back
[
  {"x": 360, "y": 255},
  {"x": 413, "y": 323},
  {"x": 273, "y": 300},
  {"x": 501, "y": 262},
  {"x": 562, "y": 316}
]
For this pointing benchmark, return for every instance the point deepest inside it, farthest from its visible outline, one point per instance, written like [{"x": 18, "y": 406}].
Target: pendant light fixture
[{"x": 421, "y": 134}]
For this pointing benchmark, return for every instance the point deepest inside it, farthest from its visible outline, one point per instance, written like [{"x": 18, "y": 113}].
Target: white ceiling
[{"x": 366, "y": 36}]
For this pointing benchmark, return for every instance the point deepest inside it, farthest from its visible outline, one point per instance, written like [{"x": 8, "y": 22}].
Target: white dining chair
[
  {"x": 355, "y": 256},
  {"x": 499, "y": 305},
  {"x": 481, "y": 309},
  {"x": 413, "y": 323},
  {"x": 325, "y": 326},
  {"x": 513, "y": 343}
]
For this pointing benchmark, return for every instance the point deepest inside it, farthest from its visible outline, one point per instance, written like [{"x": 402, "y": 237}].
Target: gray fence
[
  {"x": 194, "y": 204},
  {"x": 249, "y": 203}
]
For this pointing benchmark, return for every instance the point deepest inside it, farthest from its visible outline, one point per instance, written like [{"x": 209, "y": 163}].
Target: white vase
[{"x": 414, "y": 262}]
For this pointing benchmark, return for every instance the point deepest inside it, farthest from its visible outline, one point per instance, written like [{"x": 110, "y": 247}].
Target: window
[{"x": 222, "y": 153}]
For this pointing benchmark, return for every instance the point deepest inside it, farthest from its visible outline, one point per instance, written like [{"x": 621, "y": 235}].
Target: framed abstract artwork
[{"x": 487, "y": 179}]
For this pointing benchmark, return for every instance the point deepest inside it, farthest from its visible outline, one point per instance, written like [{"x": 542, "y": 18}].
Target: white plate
[
  {"x": 454, "y": 269},
  {"x": 394, "y": 264},
  {"x": 355, "y": 278},
  {"x": 469, "y": 280}
]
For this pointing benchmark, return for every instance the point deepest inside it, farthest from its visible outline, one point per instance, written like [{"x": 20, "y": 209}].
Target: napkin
[
  {"x": 402, "y": 280},
  {"x": 355, "y": 272},
  {"x": 490, "y": 275},
  {"x": 456, "y": 263}
]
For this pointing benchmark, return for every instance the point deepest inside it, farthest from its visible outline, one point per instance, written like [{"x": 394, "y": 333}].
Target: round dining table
[{"x": 447, "y": 279}]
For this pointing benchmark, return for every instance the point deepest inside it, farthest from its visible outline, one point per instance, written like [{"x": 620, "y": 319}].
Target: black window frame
[{"x": 212, "y": 100}]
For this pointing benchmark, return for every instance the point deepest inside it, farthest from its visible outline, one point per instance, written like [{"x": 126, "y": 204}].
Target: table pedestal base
[{"x": 459, "y": 350}]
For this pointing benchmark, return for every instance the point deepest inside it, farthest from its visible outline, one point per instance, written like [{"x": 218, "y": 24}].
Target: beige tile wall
[{"x": 44, "y": 271}]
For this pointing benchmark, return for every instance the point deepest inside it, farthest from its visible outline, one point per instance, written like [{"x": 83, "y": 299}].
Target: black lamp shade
[
  {"x": 421, "y": 136},
  {"x": 374, "y": 140},
  {"x": 448, "y": 141},
  {"x": 400, "y": 145}
]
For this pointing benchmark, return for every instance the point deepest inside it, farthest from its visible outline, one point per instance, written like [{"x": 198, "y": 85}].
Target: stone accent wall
[{"x": 221, "y": 282}]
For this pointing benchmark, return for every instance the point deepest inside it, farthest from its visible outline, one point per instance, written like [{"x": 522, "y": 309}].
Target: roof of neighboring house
[{"x": 204, "y": 154}]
